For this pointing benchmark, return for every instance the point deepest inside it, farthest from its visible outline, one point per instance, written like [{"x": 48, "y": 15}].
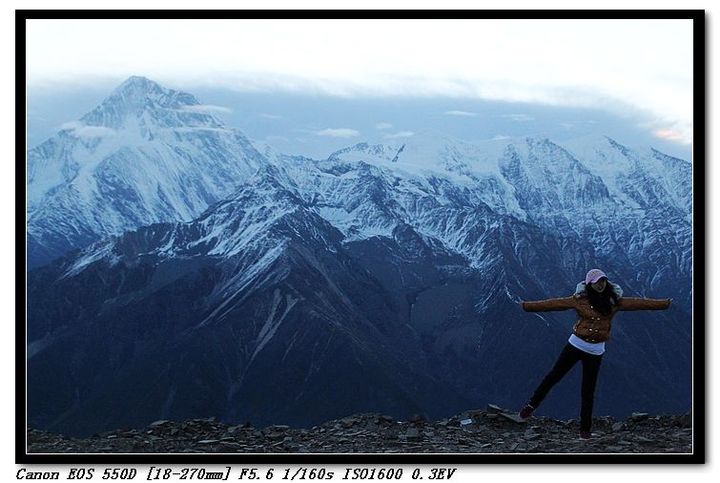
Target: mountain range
[{"x": 176, "y": 271}]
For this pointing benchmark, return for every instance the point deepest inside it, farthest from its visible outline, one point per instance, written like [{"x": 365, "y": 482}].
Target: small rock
[
  {"x": 418, "y": 419},
  {"x": 635, "y": 417},
  {"x": 618, "y": 426},
  {"x": 278, "y": 427},
  {"x": 160, "y": 422},
  {"x": 685, "y": 420},
  {"x": 495, "y": 409},
  {"x": 643, "y": 439},
  {"x": 413, "y": 434}
]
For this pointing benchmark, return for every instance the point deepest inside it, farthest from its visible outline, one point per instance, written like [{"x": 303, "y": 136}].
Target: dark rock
[
  {"x": 413, "y": 434},
  {"x": 418, "y": 419},
  {"x": 685, "y": 420},
  {"x": 496, "y": 409}
]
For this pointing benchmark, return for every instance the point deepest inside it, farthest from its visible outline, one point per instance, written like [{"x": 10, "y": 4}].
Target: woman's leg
[
  {"x": 591, "y": 367},
  {"x": 568, "y": 357}
]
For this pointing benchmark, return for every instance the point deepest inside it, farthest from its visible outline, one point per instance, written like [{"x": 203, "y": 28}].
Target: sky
[{"x": 639, "y": 71}]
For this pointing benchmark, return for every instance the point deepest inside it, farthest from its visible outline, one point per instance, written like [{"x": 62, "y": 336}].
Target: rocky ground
[{"x": 480, "y": 431}]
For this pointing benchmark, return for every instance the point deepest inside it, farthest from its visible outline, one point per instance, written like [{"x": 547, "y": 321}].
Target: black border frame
[{"x": 698, "y": 455}]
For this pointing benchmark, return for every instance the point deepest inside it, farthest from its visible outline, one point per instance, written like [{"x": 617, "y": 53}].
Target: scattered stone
[{"x": 375, "y": 433}]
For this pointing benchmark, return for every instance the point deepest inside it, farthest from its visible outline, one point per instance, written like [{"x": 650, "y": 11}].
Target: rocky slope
[{"x": 485, "y": 431}]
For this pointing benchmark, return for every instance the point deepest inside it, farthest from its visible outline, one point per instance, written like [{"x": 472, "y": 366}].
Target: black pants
[{"x": 591, "y": 366}]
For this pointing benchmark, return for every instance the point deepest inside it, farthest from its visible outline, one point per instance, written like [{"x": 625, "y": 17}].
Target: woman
[{"x": 596, "y": 306}]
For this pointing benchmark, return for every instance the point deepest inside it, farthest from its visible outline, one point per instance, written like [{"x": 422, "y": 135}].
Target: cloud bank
[
  {"x": 207, "y": 109},
  {"x": 338, "y": 132},
  {"x": 460, "y": 113},
  {"x": 618, "y": 65},
  {"x": 80, "y": 130}
]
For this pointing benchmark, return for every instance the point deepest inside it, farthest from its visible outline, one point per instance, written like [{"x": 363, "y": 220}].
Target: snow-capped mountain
[
  {"x": 383, "y": 278},
  {"x": 146, "y": 154},
  {"x": 632, "y": 207}
]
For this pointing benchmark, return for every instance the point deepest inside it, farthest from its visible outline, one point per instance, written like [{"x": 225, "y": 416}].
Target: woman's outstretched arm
[
  {"x": 549, "y": 304},
  {"x": 635, "y": 303}
]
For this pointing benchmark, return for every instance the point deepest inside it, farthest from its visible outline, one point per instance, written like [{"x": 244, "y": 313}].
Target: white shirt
[{"x": 597, "y": 348}]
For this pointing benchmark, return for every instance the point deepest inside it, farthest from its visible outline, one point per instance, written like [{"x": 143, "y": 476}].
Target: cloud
[
  {"x": 271, "y": 116},
  {"x": 207, "y": 109},
  {"x": 666, "y": 129},
  {"x": 338, "y": 132},
  {"x": 80, "y": 130},
  {"x": 500, "y": 137},
  {"x": 460, "y": 113},
  {"x": 400, "y": 134},
  {"x": 383, "y": 125},
  {"x": 673, "y": 135},
  {"x": 518, "y": 117}
]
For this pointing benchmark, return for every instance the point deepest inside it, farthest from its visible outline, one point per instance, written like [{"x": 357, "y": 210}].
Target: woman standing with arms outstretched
[{"x": 595, "y": 306}]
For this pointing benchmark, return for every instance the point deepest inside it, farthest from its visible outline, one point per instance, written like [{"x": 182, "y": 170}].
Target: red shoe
[{"x": 526, "y": 412}]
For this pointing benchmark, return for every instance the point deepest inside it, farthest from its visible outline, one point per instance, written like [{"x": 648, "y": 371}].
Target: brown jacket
[{"x": 592, "y": 326}]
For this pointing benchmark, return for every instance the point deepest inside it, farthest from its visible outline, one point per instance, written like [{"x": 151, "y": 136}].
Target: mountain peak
[
  {"x": 138, "y": 95},
  {"x": 138, "y": 84},
  {"x": 140, "y": 91}
]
